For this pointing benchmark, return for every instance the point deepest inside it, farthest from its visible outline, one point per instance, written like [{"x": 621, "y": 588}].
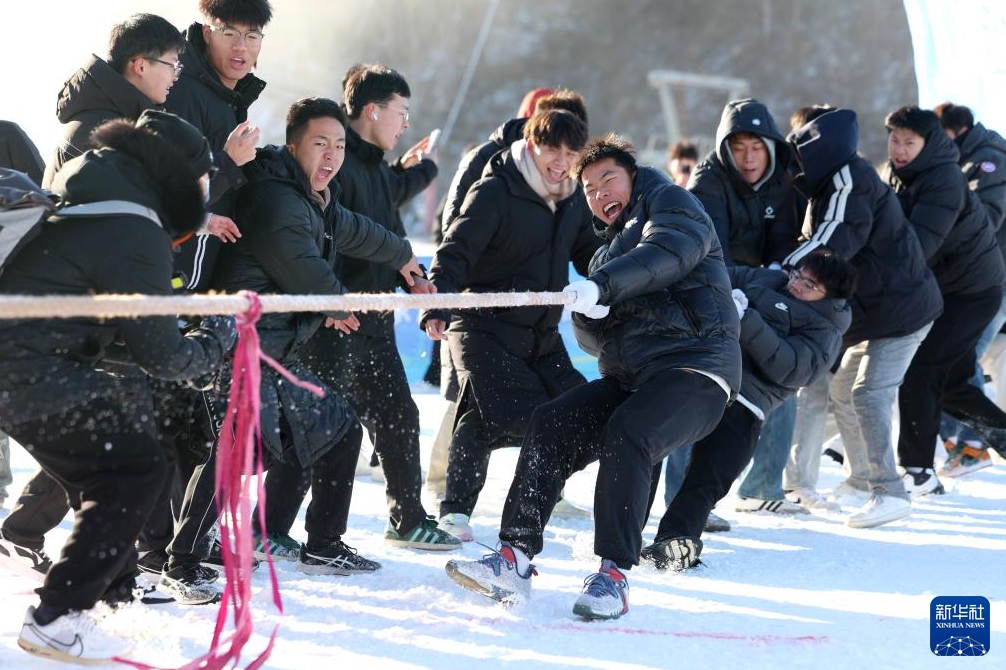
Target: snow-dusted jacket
[
  {"x": 757, "y": 225},
  {"x": 786, "y": 342},
  {"x": 662, "y": 273},
  {"x": 957, "y": 238},
  {"x": 92, "y": 95},
  {"x": 856, "y": 215}
]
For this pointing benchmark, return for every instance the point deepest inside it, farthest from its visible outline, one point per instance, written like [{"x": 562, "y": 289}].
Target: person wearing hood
[
  {"x": 656, "y": 310},
  {"x": 294, "y": 227},
  {"x": 959, "y": 244},
  {"x": 90, "y": 429},
  {"x": 791, "y": 334},
  {"x": 983, "y": 162},
  {"x": 519, "y": 228},
  {"x": 854, "y": 214}
]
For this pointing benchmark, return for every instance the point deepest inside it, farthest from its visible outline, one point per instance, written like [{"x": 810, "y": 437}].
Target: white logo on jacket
[{"x": 782, "y": 306}]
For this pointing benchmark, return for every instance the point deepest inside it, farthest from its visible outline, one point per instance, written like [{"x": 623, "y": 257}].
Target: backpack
[{"x": 24, "y": 207}]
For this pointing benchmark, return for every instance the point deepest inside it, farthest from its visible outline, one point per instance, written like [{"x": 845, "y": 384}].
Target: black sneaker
[
  {"x": 190, "y": 584},
  {"x": 153, "y": 562},
  {"x": 335, "y": 558},
  {"x": 34, "y": 563},
  {"x": 216, "y": 558},
  {"x": 677, "y": 553}
]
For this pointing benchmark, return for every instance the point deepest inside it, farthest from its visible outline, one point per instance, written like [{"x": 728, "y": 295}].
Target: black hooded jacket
[
  {"x": 786, "y": 342},
  {"x": 372, "y": 187},
  {"x": 958, "y": 241},
  {"x": 92, "y": 95},
  {"x": 856, "y": 215},
  {"x": 983, "y": 161},
  {"x": 200, "y": 98},
  {"x": 756, "y": 224},
  {"x": 472, "y": 166},
  {"x": 51, "y": 365},
  {"x": 661, "y": 271}
]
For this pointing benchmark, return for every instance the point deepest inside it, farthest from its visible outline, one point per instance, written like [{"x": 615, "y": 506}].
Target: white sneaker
[
  {"x": 774, "y": 506},
  {"x": 811, "y": 499},
  {"x": 921, "y": 482},
  {"x": 879, "y": 510},
  {"x": 457, "y": 525},
  {"x": 847, "y": 494},
  {"x": 495, "y": 576},
  {"x": 564, "y": 509},
  {"x": 72, "y": 638}
]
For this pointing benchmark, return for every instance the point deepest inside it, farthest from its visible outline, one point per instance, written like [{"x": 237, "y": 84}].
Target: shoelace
[
  {"x": 495, "y": 559},
  {"x": 600, "y": 584}
]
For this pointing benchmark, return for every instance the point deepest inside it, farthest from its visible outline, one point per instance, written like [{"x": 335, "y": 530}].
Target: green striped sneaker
[
  {"x": 424, "y": 536},
  {"x": 282, "y": 547}
]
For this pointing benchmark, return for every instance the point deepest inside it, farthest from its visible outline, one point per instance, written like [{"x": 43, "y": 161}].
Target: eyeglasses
[
  {"x": 176, "y": 67},
  {"x": 233, "y": 35},
  {"x": 795, "y": 276},
  {"x": 404, "y": 113}
]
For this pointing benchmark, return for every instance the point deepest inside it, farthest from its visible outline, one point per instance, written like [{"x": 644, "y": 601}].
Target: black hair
[
  {"x": 571, "y": 101},
  {"x": 367, "y": 83},
  {"x": 923, "y": 122},
  {"x": 305, "y": 109},
  {"x": 682, "y": 149},
  {"x": 805, "y": 115},
  {"x": 835, "y": 274},
  {"x": 555, "y": 128},
  {"x": 610, "y": 146},
  {"x": 249, "y": 12},
  {"x": 955, "y": 117},
  {"x": 142, "y": 35}
]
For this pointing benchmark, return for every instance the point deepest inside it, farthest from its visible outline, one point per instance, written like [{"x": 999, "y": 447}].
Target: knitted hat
[{"x": 182, "y": 135}]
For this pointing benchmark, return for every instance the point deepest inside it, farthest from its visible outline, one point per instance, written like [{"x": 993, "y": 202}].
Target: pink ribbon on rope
[{"x": 239, "y": 450}]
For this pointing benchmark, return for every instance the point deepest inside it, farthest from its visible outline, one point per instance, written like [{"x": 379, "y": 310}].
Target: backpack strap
[{"x": 106, "y": 208}]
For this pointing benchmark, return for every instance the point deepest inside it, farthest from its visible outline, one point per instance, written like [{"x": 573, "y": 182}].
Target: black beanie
[{"x": 182, "y": 135}]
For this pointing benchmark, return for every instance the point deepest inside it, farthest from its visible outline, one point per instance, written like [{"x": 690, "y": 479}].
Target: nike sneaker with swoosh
[{"x": 71, "y": 638}]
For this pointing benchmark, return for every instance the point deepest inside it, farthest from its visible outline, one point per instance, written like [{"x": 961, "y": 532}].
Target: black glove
[{"x": 224, "y": 328}]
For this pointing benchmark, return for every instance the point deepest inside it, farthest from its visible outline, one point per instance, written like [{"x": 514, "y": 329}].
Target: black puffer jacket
[
  {"x": 856, "y": 215},
  {"x": 663, "y": 275},
  {"x": 92, "y": 95},
  {"x": 757, "y": 224},
  {"x": 786, "y": 342},
  {"x": 200, "y": 98},
  {"x": 51, "y": 365},
  {"x": 288, "y": 246},
  {"x": 957, "y": 238},
  {"x": 372, "y": 187},
  {"x": 472, "y": 166},
  {"x": 506, "y": 238},
  {"x": 983, "y": 161},
  {"x": 18, "y": 152}
]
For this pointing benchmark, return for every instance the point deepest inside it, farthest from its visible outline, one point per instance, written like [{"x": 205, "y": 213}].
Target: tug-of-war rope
[{"x": 239, "y": 446}]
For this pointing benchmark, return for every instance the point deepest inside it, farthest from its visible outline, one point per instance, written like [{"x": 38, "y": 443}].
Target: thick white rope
[{"x": 109, "y": 306}]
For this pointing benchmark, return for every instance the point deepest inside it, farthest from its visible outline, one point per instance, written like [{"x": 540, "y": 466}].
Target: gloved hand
[
  {"x": 587, "y": 293},
  {"x": 224, "y": 328},
  {"x": 740, "y": 301},
  {"x": 597, "y": 312}
]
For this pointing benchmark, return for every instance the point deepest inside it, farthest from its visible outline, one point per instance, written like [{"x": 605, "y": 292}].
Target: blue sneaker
[
  {"x": 494, "y": 575},
  {"x": 605, "y": 594}
]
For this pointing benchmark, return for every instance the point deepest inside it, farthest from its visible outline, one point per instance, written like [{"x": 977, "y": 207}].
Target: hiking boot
[
  {"x": 879, "y": 510},
  {"x": 190, "y": 584},
  {"x": 964, "y": 460},
  {"x": 334, "y": 558},
  {"x": 716, "y": 524},
  {"x": 280, "y": 546},
  {"x": 811, "y": 499},
  {"x": 457, "y": 525},
  {"x": 605, "y": 594},
  {"x": 33, "y": 563},
  {"x": 921, "y": 482},
  {"x": 494, "y": 575},
  {"x": 424, "y": 536},
  {"x": 215, "y": 559},
  {"x": 152, "y": 562},
  {"x": 676, "y": 553},
  {"x": 774, "y": 506},
  {"x": 72, "y": 638}
]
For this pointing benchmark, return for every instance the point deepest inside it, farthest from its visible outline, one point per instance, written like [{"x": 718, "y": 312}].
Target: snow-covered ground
[{"x": 775, "y": 592}]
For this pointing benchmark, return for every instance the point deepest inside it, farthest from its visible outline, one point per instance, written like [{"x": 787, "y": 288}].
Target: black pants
[
  {"x": 628, "y": 433},
  {"x": 939, "y": 378},
  {"x": 112, "y": 467},
  {"x": 717, "y": 460},
  {"x": 368, "y": 372}
]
